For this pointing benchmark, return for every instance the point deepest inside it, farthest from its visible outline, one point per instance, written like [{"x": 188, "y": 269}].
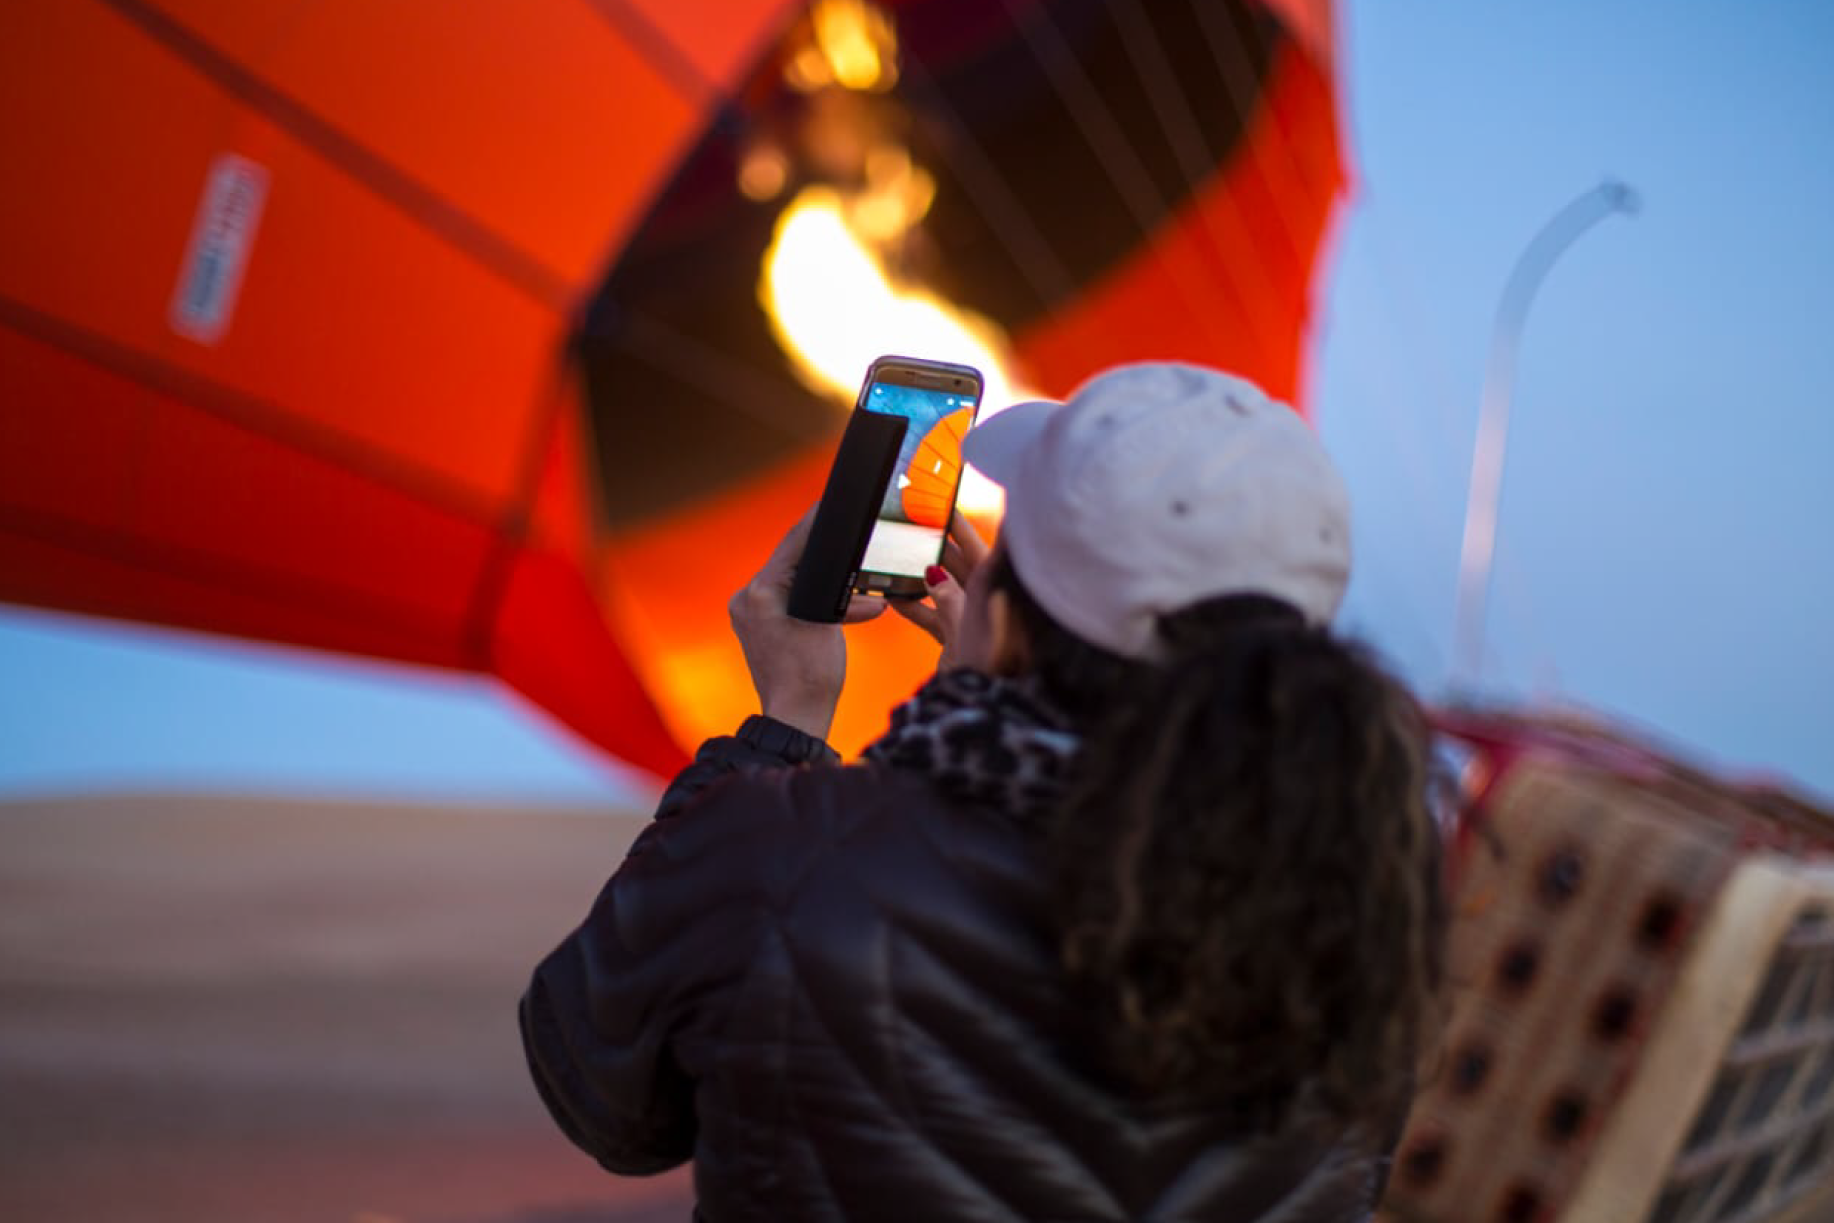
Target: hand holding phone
[
  {"x": 941, "y": 617},
  {"x": 892, "y": 488},
  {"x": 797, "y": 668}
]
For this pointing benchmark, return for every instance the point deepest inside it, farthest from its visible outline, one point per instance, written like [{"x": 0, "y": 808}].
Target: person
[{"x": 1133, "y": 912}]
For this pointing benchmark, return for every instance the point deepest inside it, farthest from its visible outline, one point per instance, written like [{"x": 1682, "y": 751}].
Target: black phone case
[{"x": 862, "y": 471}]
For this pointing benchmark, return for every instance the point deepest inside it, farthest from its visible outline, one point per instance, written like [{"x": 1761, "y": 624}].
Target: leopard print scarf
[{"x": 983, "y": 739}]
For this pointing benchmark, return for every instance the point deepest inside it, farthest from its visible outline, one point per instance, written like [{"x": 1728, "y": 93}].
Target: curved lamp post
[{"x": 1542, "y": 252}]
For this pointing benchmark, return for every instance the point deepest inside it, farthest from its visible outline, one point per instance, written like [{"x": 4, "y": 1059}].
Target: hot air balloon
[
  {"x": 507, "y": 338},
  {"x": 930, "y": 478}
]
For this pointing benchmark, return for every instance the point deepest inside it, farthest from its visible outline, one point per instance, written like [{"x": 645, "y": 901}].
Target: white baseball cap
[{"x": 1157, "y": 486}]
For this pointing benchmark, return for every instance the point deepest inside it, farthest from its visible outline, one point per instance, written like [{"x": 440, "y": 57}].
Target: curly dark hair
[{"x": 1246, "y": 868}]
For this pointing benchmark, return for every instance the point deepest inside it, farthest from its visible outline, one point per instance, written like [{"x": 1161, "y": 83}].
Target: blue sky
[{"x": 1662, "y": 554}]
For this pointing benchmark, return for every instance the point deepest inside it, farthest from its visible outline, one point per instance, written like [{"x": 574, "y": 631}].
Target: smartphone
[{"x": 937, "y": 402}]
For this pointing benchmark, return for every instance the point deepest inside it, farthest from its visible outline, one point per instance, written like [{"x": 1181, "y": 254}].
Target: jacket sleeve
[
  {"x": 619, "y": 1018},
  {"x": 761, "y": 744}
]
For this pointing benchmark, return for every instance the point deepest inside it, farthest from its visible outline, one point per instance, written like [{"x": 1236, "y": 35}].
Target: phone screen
[{"x": 907, "y": 538}]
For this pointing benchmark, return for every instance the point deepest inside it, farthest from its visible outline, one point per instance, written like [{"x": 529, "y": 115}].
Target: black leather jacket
[{"x": 839, "y": 994}]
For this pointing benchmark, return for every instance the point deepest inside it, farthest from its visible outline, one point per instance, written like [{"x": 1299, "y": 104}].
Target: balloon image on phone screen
[{"x": 938, "y": 402}]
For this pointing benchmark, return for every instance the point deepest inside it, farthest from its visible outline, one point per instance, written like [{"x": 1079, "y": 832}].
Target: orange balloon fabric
[
  {"x": 305, "y": 310},
  {"x": 935, "y": 470}
]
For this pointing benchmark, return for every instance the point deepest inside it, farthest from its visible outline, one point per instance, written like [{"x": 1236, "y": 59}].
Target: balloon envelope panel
[{"x": 433, "y": 332}]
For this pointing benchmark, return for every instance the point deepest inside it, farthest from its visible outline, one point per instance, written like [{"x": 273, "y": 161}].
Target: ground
[{"x": 252, "y": 1010}]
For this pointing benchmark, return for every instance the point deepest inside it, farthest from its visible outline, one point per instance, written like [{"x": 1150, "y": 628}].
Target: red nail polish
[{"x": 934, "y": 575}]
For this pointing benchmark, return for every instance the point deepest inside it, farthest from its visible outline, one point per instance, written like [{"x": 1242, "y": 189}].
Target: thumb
[
  {"x": 861, "y": 609},
  {"x": 945, "y": 592}
]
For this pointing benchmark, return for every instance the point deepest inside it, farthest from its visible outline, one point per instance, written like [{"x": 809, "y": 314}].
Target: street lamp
[{"x": 1479, "y": 547}]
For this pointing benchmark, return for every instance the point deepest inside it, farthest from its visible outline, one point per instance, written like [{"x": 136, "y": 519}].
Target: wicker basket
[{"x": 1642, "y": 1019}]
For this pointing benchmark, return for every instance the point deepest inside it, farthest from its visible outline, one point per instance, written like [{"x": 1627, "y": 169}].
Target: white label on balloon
[{"x": 221, "y": 238}]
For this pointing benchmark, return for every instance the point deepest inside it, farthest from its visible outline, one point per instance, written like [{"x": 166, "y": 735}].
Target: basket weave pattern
[{"x": 1641, "y": 1014}]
